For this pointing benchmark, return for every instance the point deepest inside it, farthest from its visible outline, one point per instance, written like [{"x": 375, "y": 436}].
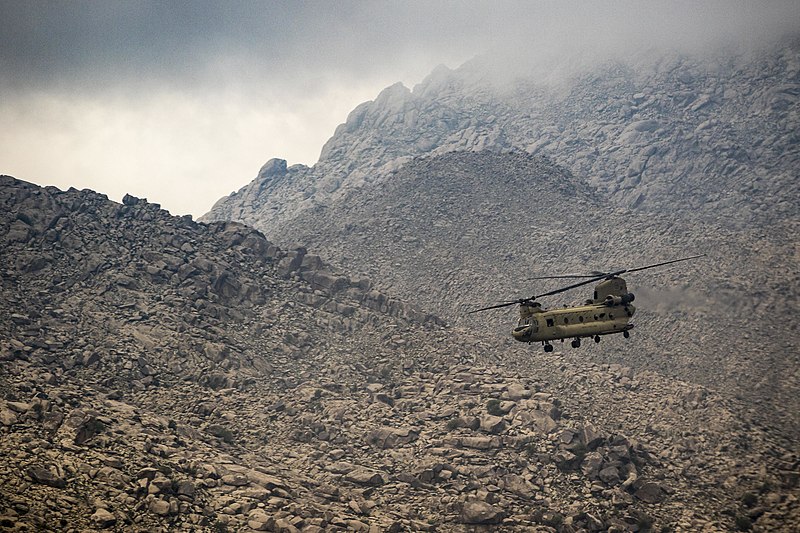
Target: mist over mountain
[{"x": 698, "y": 134}]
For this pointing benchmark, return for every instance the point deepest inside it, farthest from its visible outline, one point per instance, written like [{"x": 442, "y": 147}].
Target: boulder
[
  {"x": 159, "y": 507},
  {"x": 591, "y": 465},
  {"x": 235, "y": 480},
  {"x": 590, "y": 436},
  {"x": 259, "y": 520},
  {"x": 480, "y": 512},
  {"x": 365, "y": 476},
  {"x": 650, "y": 492},
  {"x": 493, "y": 424},
  {"x": 480, "y": 442},
  {"x": 609, "y": 475},
  {"x": 517, "y": 392},
  {"x": 7, "y": 417},
  {"x": 103, "y": 518},
  {"x": 543, "y": 422},
  {"x": 387, "y": 437},
  {"x": 46, "y": 476}
]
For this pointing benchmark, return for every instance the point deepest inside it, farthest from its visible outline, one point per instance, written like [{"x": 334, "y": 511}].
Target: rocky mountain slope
[
  {"x": 463, "y": 230},
  {"x": 642, "y": 161},
  {"x": 159, "y": 374}
]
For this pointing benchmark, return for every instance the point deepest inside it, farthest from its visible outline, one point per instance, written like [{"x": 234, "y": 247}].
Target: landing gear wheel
[
  {"x": 626, "y": 334},
  {"x": 597, "y": 338},
  {"x": 576, "y": 343},
  {"x": 548, "y": 348}
]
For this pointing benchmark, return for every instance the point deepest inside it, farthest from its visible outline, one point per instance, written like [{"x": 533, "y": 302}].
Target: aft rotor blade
[
  {"x": 664, "y": 263},
  {"x": 585, "y": 282},
  {"x": 597, "y": 276},
  {"x": 601, "y": 276}
]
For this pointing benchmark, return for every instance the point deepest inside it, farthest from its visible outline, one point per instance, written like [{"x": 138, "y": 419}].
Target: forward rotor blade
[{"x": 592, "y": 274}]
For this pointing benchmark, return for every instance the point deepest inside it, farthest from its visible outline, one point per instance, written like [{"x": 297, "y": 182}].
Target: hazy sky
[{"x": 181, "y": 102}]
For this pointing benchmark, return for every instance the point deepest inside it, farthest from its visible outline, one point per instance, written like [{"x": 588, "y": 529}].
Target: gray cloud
[
  {"x": 162, "y": 97},
  {"x": 96, "y": 44},
  {"x": 91, "y": 43}
]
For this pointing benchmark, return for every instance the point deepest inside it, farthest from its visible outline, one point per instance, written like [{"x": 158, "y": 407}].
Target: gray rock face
[
  {"x": 133, "y": 305},
  {"x": 667, "y": 133}
]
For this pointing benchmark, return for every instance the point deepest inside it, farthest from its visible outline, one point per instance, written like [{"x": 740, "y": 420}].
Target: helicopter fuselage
[
  {"x": 590, "y": 320},
  {"x": 609, "y": 311}
]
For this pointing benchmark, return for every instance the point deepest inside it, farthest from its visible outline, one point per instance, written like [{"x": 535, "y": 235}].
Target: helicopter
[{"x": 608, "y": 312}]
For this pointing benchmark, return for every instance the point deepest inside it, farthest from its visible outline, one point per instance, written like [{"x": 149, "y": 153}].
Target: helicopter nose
[{"x": 522, "y": 333}]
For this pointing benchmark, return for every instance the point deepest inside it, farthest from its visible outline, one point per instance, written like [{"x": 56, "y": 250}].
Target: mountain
[
  {"x": 301, "y": 358},
  {"x": 716, "y": 134},
  {"x": 440, "y": 233},
  {"x": 457, "y": 193},
  {"x": 163, "y": 374}
]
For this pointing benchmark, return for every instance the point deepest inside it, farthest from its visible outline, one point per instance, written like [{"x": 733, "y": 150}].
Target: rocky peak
[
  {"x": 659, "y": 133},
  {"x": 273, "y": 167}
]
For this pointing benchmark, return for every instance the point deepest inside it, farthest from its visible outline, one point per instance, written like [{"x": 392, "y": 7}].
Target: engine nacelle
[{"x": 613, "y": 299}]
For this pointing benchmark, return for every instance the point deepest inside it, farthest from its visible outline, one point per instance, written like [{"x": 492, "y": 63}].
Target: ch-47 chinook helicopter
[{"x": 608, "y": 312}]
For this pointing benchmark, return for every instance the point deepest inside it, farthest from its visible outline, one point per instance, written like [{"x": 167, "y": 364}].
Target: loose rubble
[{"x": 164, "y": 375}]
